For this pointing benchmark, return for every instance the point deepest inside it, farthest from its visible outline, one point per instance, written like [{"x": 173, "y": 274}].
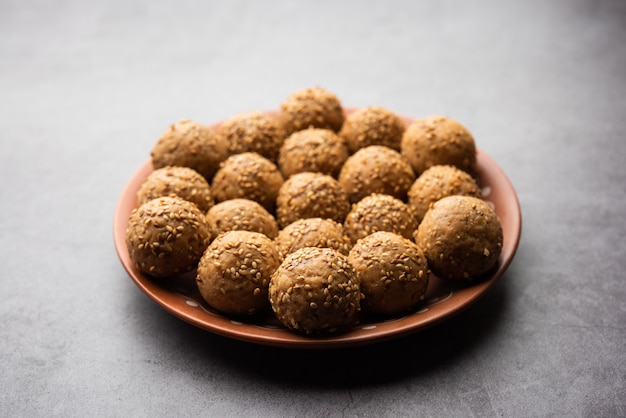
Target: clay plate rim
[{"x": 450, "y": 300}]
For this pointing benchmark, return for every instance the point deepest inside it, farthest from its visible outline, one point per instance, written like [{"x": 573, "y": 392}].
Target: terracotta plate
[{"x": 443, "y": 300}]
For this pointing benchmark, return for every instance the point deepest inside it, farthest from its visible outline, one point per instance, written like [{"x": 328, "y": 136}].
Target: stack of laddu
[{"x": 314, "y": 212}]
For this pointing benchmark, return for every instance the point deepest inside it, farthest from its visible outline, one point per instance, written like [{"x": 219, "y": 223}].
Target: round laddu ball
[
  {"x": 249, "y": 176},
  {"x": 311, "y": 195},
  {"x": 313, "y": 149},
  {"x": 312, "y": 232},
  {"x": 438, "y": 182},
  {"x": 166, "y": 236},
  {"x": 379, "y": 212},
  {"x": 376, "y": 169},
  {"x": 372, "y": 126},
  {"x": 235, "y": 270},
  {"x": 241, "y": 215},
  {"x": 392, "y": 271},
  {"x": 311, "y": 107},
  {"x": 190, "y": 144},
  {"x": 437, "y": 140},
  {"x": 183, "y": 182},
  {"x": 253, "y": 132},
  {"x": 315, "y": 291},
  {"x": 461, "y": 237}
]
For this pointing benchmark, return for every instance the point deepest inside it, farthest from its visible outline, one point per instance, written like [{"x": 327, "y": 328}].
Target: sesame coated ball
[
  {"x": 438, "y": 140},
  {"x": 311, "y": 107},
  {"x": 311, "y": 195},
  {"x": 312, "y": 232},
  {"x": 379, "y": 212},
  {"x": 461, "y": 237},
  {"x": 166, "y": 236},
  {"x": 313, "y": 149},
  {"x": 183, "y": 182},
  {"x": 372, "y": 126},
  {"x": 234, "y": 272},
  {"x": 376, "y": 169},
  {"x": 315, "y": 291},
  {"x": 438, "y": 182},
  {"x": 249, "y": 176},
  {"x": 190, "y": 144},
  {"x": 252, "y": 132},
  {"x": 392, "y": 271},
  {"x": 241, "y": 215}
]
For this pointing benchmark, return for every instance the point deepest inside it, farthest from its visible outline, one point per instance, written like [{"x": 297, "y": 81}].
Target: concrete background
[{"x": 87, "y": 87}]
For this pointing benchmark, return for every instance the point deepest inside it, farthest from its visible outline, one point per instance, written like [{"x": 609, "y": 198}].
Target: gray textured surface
[{"x": 85, "y": 89}]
